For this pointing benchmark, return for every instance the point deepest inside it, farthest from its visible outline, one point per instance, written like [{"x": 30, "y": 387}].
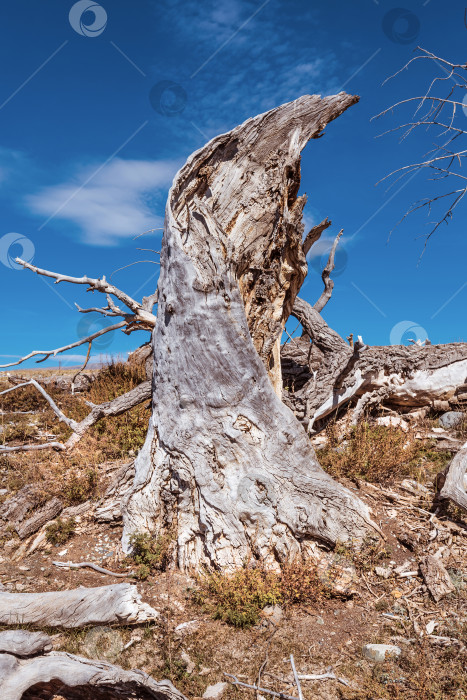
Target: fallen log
[
  {"x": 23, "y": 643},
  {"x": 76, "y": 608},
  {"x": 67, "y": 676},
  {"x": 48, "y": 512},
  {"x": 396, "y": 376}
]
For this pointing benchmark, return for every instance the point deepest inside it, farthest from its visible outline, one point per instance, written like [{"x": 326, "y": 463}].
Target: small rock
[
  {"x": 382, "y": 571},
  {"x": 380, "y": 652},
  {"x": 190, "y": 666},
  {"x": 186, "y": 628},
  {"x": 215, "y": 692},
  {"x": 273, "y": 613},
  {"x": 24, "y": 568},
  {"x": 3, "y": 492},
  {"x": 451, "y": 419},
  {"x": 204, "y": 671},
  {"x": 393, "y": 422},
  {"x": 319, "y": 621},
  {"x": 62, "y": 553}
]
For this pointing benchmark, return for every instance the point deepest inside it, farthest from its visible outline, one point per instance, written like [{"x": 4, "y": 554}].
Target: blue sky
[{"x": 96, "y": 118}]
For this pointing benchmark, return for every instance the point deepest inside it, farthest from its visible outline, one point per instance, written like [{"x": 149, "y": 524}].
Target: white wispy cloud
[
  {"x": 125, "y": 198},
  {"x": 244, "y": 57}
]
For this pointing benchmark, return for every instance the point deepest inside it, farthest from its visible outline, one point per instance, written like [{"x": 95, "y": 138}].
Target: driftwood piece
[
  {"x": 76, "y": 608},
  {"x": 23, "y": 643},
  {"x": 48, "y": 512},
  {"x": 71, "y": 677},
  {"x": 436, "y": 577},
  {"x": 226, "y": 468},
  {"x": 455, "y": 481},
  {"x": 90, "y": 565}
]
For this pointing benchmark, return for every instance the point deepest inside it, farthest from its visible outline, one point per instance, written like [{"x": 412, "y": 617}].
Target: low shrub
[
  {"x": 151, "y": 553},
  {"x": 60, "y": 531},
  {"x": 238, "y": 598},
  {"x": 374, "y": 453}
]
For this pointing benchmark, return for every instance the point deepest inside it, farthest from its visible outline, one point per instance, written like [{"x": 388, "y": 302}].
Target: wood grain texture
[
  {"x": 73, "y": 677},
  {"x": 226, "y": 467},
  {"x": 76, "y": 608}
]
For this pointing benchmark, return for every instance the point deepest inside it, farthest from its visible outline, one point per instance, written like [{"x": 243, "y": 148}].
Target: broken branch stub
[{"x": 226, "y": 469}]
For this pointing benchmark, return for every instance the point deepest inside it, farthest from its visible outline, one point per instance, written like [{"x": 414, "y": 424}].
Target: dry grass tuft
[{"x": 378, "y": 454}]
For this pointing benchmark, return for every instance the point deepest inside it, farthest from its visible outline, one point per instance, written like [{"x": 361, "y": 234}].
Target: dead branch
[
  {"x": 33, "y": 448},
  {"x": 90, "y": 565},
  {"x": 100, "y": 285},
  {"x": 240, "y": 684},
  {"x": 445, "y": 161},
  {"x": 80, "y": 607},
  {"x": 116, "y": 407},
  {"x": 58, "y": 351},
  {"x": 315, "y": 234},
  {"x": 60, "y": 415},
  {"x": 22, "y": 643},
  {"x": 328, "y": 282}
]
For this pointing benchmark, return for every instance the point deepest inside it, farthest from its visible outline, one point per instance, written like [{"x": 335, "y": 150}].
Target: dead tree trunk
[{"x": 226, "y": 467}]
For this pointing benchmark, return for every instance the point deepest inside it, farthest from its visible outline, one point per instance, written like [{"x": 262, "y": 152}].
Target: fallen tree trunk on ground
[
  {"x": 67, "y": 676},
  {"x": 227, "y": 470},
  {"x": 76, "y": 608},
  {"x": 322, "y": 372}
]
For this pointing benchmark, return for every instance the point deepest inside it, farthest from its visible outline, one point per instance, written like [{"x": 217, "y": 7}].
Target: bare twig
[
  {"x": 297, "y": 682},
  {"x": 81, "y": 369},
  {"x": 240, "y": 684},
  {"x": 57, "y": 351},
  {"x": 328, "y": 282},
  {"x": 89, "y": 565},
  {"x": 99, "y": 285}
]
